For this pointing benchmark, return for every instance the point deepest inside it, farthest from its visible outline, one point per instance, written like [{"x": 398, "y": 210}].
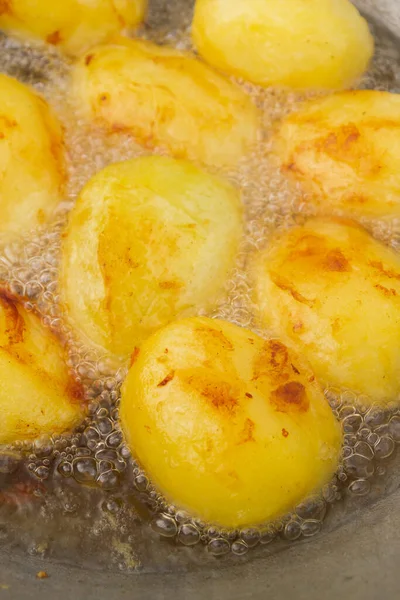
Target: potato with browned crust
[
  {"x": 334, "y": 291},
  {"x": 345, "y": 151},
  {"x": 149, "y": 239},
  {"x": 165, "y": 98},
  {"x": 229, "y": 426},
  {"x": 71, "y": 25},
  {"x": 32, "y": 172},
  {"x": 37, "y": 394},
  {"x": 320, "y": 44}
]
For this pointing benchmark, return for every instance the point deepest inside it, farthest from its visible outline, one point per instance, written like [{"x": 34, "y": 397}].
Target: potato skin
[
  {"x": 227, "y": 425},
  {"x": 71, "y": 25},
  {"x": 334, "y": 291},
  {"x": 37, "y": 395},
  {"x": 322, "y": 44},
  {"x": 345, "y": 151},
  {"x": 32, "y": 172},
  {"x": 149, "y": 239},
  {"x": 165, "y": 98}
]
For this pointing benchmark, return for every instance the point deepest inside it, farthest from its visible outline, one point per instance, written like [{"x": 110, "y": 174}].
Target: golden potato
[
  {"x": 31, "y": 158},
  {"x": 323, "y": 44},
  {"x": 229, "y": 426},
  {"x": 345, "y": 150},
  {"x": 72, "y": 25},
  {"x": 37, "y": 394},
  {"x": 165, "y": 98},
  {"x": 150, "y": 239},
  {"x": 334, "y": 290}
]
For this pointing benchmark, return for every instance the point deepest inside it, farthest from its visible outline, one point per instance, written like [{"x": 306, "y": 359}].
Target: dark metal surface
[{"x": 358, "y": 561}]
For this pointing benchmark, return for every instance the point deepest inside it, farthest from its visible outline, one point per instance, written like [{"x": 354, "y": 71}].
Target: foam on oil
[{"x": 86, "y": 486}]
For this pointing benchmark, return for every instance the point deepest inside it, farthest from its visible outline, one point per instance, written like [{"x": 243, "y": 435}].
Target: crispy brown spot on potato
[
  {"x": 385, "y": 291},
  {"x": 88, "y": 59},
  {"x": 339, "y": 143},
  {"x": 75, "y": 391},
  {"x": 134, "y": 355},
  {"x": 219, "y": 394},
  {"x": 54, "y": 38},
  {"x": 286, "y": 286},
  {"x": 295, "y": 369},
  {"x": 6, "y": 7},
  {"x": 285, "y": 433},
  {"x": 355, "y": 198},
  {"x": 104, "y": 97},
  {"x": 167, "y": 379},
  {"x": 289, "y": 397},
  {"x": 297, "y": 327},
  {"x": 272, "y": 360},
  {"x": 248, "y": 395},
  {"x": 378, "y": 266},
  {"x": 15, "y": 324},
  {"x": 7, "y": 122},
  {"x": 336, "y": 261},
  {"x": 147, "y": 428},
  {"x": 308, "y": 245},
  {"x": 171, "y": 285},
  {"x": 215, "y": 336},
  {"x": 246, "y": 434}
]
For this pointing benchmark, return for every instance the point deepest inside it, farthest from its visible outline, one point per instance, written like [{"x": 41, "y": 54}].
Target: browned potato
[
  {"x": 229, "y": 426},
  {"x": 149, "y": 239},
  {"x": 165, "y": 98},
  {"x": 37, "y": 394},
  {"x": 72, "y": 25},
  {"x": 345, "y": 151},
  {"x": 32, "y": 173},
  {"x": 334, "y": 291}
]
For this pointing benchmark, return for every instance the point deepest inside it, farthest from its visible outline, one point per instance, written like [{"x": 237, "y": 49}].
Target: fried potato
[
  {"x": 227, "y": 425},
  {"x": 322, "y": 44},
  {"x": 165, "y": 98},
  {"x": 31, "y": 158},
  {"x": 37, "y": 394},
  {"x": 345, "y": 151},
  {"x": 71, "y": 25},
  {"x": 334, "y": 291},
  {"x": 150, "y": 239}
]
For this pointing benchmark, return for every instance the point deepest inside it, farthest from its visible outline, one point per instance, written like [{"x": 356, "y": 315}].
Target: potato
[
  {"x": 322, "y": 44},
  {"x": 165, "y": 98},
  {"x": 32, "y": 173},
  {"x": 345, "y": 150},
  {"x": 230, "y": 427},
  {"x": 37, "y": 394},
  {"x": 72, "y": 25},
  {"x": 334, "y": 291},
  {"x": 150, "y": 239}
]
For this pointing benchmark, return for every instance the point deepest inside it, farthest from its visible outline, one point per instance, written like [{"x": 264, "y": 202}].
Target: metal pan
[{"x": 357, "y": 559}]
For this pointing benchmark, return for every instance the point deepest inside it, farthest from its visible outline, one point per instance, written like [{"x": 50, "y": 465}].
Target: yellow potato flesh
[
  {"x": 165, "y": 98},
  {"x": 322, "y": 44},
  {"x": 229, "y": 426},
  {"x": 345, "y": 150},
  {"x": 31, "y": 158},
  {"x": 334, "y": 291},
  {"x": 72, "y": 25},
  {"x": 37, "y": 394},
  {"x": 148, "y": 240}
]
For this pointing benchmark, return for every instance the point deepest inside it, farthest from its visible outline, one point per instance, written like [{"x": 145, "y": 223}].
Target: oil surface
[{"x": 82, "y": 497}]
